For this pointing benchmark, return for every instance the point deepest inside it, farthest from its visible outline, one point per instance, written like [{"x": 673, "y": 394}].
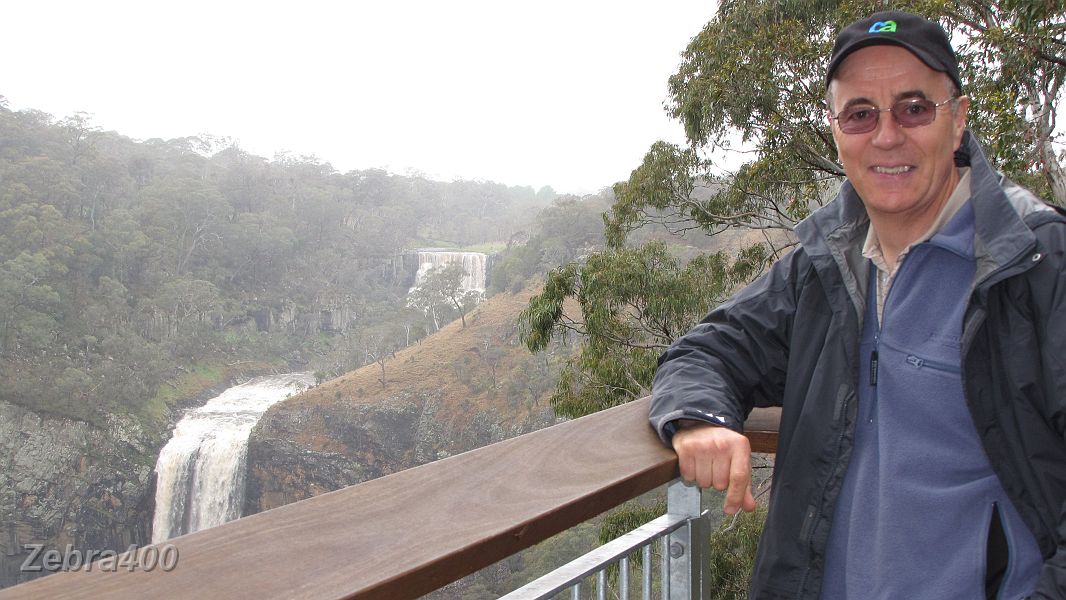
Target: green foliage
[
  {"x": 662, "y": 181},
  {"x": 629, "y": 517},
  {"x": 1014, "y": 67},
  {"x": 485, "y": 248},
  {"x": 27, "y": 301},
  {"x": 732, "y": 555},
  {"x": 185, "y": 384},
  {"x": 732, "y": 547},
  {"x": 632, "y": 302},
  {"x": 528, "y": 380},
  {"x": 440, "y": 294},
  {"x": 569, "y": 228},
  {"x": 623, "y": 520}
]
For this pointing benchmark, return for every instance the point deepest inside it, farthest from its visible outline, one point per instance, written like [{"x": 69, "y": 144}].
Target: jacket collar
[{"x": 1001, "y": 234}]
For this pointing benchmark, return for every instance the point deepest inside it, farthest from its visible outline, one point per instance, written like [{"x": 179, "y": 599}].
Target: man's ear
[{"x": 959, "y": 116}]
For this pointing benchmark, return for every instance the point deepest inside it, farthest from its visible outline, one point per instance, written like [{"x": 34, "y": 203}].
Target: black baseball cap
[{"x": 924, "y": 38}]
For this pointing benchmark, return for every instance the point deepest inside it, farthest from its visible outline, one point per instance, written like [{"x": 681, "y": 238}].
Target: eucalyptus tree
[
  {"x": 440, "y": 290},
  {"x": 751, "y": 85},
  {"x": 626, "y": 304}
]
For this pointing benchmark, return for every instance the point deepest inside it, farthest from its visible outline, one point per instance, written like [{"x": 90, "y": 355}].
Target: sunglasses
[{"x": 912, "y": 112}]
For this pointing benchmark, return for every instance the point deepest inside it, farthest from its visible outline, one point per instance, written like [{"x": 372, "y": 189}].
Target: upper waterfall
[
  {"x": 473, "y": 263},
  {"x": 200, "y": 472}
]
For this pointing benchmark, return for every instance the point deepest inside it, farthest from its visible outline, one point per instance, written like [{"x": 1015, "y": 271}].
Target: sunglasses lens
[
  {"x": 858, "y": 119},
  {"x": 914, "y": 112}
]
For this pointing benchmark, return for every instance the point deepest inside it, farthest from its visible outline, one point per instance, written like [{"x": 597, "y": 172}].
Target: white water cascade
[
  {"x": 473, "y": 263},
  {"x": 200, "y": 472}
]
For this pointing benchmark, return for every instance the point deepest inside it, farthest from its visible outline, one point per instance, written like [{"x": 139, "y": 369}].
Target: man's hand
[{"x": 716, "y": 457}]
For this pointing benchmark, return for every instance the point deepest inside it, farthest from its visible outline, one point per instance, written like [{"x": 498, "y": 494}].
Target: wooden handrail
[{"x": 409, "y": 533}]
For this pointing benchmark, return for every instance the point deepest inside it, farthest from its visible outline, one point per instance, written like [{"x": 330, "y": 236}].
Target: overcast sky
[{"x": 567, "y": 94}]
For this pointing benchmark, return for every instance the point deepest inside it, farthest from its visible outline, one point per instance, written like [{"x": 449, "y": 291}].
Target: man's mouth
[{"x": 893, "y": 170}]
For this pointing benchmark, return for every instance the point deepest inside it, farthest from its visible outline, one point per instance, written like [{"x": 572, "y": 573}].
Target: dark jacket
[{"x": 790, "y": 339}]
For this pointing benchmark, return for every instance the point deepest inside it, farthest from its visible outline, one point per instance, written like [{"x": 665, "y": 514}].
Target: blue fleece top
[{"x": 913, "y": 516}]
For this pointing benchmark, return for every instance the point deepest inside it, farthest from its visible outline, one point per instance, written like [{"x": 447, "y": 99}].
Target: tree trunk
[
  {"x": 1044, "y": 112},
  {"x": 459, "y": 308},
  {"x": 1056, "y": 177}
]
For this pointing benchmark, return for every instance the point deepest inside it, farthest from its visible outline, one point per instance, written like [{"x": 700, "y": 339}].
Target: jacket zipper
[
  {"x": 877, "y": 333},
  {"x": 873, "y": 365},
  {"x": 925, "y": 363},
  {"x": 919, "y": 362}
]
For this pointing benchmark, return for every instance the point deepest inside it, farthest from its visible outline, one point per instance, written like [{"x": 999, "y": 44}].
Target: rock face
[
  {"x": 69, "y": 482},
  {"x": 300, "y": 451}
]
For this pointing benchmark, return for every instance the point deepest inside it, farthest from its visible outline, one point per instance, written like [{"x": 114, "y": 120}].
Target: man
[{"x": 916, "y": 340}]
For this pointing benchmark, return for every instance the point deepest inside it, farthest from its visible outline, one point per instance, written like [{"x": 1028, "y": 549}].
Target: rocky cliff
[
  {"x": 67, "y": 482},
  {"x": 82, "y": 488},
  {"x": 460, "y": 389}
]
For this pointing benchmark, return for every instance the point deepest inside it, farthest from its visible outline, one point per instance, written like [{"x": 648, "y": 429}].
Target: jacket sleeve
[
  {"x": 1050, "y": 313},
  {"x": 1052, "y": 582},
  {"x": 733, "y": 360}
]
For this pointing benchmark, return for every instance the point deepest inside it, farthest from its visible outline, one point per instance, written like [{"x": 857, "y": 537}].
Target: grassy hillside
[
  {"x": 459, "y": 389},
  {"x": 481, "y": 367}
]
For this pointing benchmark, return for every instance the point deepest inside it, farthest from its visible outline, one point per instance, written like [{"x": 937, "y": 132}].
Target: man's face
[{"x": 901, "y": 173}]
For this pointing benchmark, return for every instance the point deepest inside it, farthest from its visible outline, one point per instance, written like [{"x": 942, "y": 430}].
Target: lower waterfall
[{"x": 200, "y": 472}]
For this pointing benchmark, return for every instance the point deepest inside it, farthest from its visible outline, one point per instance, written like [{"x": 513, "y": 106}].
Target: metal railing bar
[
  {"x": 664, "y": 575},
  {"x": 601, "y": 583},
  {"x": 575, "y": 591},
  {"x": 646, "y": 574},
  {"x": 623, "y": 578},
  {"x": 589, "y": 563}
]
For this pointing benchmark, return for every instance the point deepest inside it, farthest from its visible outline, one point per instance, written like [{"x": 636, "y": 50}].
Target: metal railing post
[
  {"x": 688, "y": 546},
  {"x": 681, "y": 537}
]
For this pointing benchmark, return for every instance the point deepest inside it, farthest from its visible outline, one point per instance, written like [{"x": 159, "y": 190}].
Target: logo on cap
[{"x": 883, "y": 27}]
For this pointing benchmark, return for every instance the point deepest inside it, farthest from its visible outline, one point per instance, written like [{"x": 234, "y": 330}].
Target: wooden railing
[{"x": 409, "y": 533}]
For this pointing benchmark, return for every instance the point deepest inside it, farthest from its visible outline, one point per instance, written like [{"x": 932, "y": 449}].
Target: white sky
[{"x": 567, "y": 94}]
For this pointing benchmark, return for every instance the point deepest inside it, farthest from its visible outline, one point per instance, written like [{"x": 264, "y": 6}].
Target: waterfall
[
  {"x": 200, "y": 472},
  {"x": 473, "y": 263}
]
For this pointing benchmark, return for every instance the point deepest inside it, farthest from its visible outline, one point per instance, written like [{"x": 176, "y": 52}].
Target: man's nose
[{"x": 888, "y": 132}]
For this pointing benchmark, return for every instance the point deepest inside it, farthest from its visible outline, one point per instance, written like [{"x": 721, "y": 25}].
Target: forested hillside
[
  {"x": 138, "y": 278},
  {"x": 129, "y": 268}
]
